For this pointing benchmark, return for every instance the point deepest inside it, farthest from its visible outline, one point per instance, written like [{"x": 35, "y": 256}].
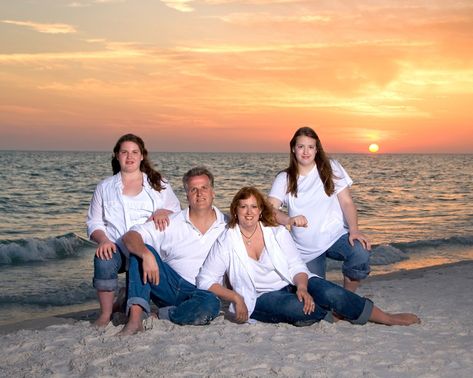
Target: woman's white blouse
[
  {"x": 228, "y": 255},
  {"x": 108, "y": 211}
]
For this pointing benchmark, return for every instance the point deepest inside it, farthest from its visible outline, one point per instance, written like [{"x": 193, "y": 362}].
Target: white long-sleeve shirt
[
  {"x": 181, "y": 245},
  {"x": 108, "y": 212},
  {"x": 229, "y": 255}
]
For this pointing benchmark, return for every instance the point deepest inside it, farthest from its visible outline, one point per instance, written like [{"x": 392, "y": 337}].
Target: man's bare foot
[
  {"x": 404, "y": 319},
  {"x": 131, "y": 328},
  {"x": 102, "y": 321},
  {"x": 135, "y": 322}
]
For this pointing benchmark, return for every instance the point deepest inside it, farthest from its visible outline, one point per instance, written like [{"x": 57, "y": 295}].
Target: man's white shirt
[{"x": 181, "y": 245}]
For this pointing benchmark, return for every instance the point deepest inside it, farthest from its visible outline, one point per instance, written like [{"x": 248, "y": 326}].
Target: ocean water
[{"x": 417, "y": 210}]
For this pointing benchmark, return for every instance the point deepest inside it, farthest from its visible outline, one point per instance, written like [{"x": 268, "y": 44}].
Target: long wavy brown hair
[
  {"x": 267, "y": 215},
  {"x": 321, "y": 160},
  {"x": 155, "y": 178}
]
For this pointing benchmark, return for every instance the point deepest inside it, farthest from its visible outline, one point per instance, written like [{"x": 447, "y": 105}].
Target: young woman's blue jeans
[
  {"x": 106, "y": 271},
  {"x": 356, "y": 259},
  {"x": 282, "y": 306},
  {"x": 192, "y": 306}
]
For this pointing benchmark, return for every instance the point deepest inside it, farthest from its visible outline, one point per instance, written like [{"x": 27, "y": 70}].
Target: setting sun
[{"x": 373, "y": 147}]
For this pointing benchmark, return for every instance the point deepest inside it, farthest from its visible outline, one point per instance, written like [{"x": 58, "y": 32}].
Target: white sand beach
[{"x": 442, "y": 346}]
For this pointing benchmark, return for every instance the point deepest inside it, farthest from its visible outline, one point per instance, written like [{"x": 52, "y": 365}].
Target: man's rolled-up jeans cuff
[
  {"x": 140, "y": 302},
  {"x": 105, "y": 285},
  {"x": 365, "y": 314}
]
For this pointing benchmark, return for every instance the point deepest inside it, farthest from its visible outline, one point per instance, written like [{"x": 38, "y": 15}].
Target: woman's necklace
[{"x": 248, "y": 238}]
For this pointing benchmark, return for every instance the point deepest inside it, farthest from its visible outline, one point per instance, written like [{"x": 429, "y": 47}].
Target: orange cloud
[
  {"x": 44, "y": 28},
  {"x": 180, "y": 5},
  {"x": 243, "y": 75}
]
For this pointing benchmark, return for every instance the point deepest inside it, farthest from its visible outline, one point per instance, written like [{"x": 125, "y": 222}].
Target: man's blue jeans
[
  {"x": 106, "y": 271},
  {"x": 282, "y": 306},
  {"x": 192, "y": 306},
  {"x": 356, "y": 259}
]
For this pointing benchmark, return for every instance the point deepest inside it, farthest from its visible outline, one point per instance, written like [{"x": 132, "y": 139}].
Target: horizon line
[{"x": 250, "y": 152}]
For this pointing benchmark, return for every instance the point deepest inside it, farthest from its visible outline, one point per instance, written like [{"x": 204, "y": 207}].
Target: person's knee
[
  {"x": 357, "y": 267},
  {"x": 211, "y": 306},
  {"x": 105, "y": 274},
  {"x": 360, "y": 253},
  {"x": 335, "y": 296},
  {"x": 205, "y": 307},
  {"x": 105, "y": 269}
]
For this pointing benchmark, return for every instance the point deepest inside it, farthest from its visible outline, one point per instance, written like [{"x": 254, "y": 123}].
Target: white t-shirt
[
  {"x": 324, "y": 215},
  {"x": 181, "y": 245}
]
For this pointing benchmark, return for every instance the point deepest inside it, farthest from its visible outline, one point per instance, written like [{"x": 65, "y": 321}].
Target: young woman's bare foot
[
  {"x": 106, "y": 304},
  {"x": 404, "y": 319}
]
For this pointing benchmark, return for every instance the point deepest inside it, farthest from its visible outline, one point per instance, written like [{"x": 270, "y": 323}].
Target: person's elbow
[{"x": 129, "y": 237}]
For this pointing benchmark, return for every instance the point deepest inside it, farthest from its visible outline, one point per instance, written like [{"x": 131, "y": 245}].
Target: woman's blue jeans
[
  {"x": 356, "y": 259},
  {"x": 106, "y": 271},
  {"x": 191, "y": 305},
  {"x": 282, "y": 306}
]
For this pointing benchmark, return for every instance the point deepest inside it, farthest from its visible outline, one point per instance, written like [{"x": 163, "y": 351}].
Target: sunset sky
[{"x": 237, "y": 75}]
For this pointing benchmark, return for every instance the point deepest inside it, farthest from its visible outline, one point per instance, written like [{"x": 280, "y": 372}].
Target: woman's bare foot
[
  {"x": 106, "y": 305},
  {"x": 381, "y": 317},
  {"x": 404, "y": 319}
]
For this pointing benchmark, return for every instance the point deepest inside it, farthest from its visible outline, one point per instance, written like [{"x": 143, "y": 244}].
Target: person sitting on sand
[
  {"x": 164, "y": 264},
  {"x": 269, "y": 280},
  {"x": 136, "y": 193}
]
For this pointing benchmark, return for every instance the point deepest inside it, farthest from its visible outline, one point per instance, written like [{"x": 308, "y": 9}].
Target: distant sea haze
[{"x": 417, "y": 210}]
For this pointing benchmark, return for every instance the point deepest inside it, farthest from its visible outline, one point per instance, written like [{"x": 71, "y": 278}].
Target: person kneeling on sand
[
  {"x": 269, "y": 279},
  {"x": 164, "y": 264}
]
